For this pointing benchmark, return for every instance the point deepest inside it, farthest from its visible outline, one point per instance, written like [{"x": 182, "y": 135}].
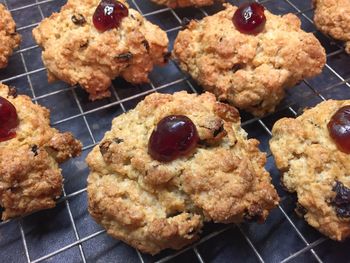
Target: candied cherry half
[
  {"x": 339, "y": 128},
  {"x": 8, "y": 120},
  {"x": 249, "y": 18},
  {"x": 174, "y": 136},
  {"x": 109, "y": 14}
]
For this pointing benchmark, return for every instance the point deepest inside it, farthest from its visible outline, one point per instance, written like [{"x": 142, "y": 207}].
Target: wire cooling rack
[{"x": 68, "y": 234}]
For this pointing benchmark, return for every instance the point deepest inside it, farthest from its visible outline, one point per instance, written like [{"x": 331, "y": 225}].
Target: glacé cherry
[
  {"x": 109, "y": 14},
  {"x": 174, "y": 136},
  {"x": 8, "y": 120},
  {"x": 249, "y": 18},
  {"x": 339, "y": 128}
]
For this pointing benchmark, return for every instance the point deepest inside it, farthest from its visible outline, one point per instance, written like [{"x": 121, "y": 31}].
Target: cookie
[
  {"x": 332, "y": 18},
  {"x": 185, "y": 3},
  {"x": 77, "y": 53},
  {"x": 9, "y": 38},
  {"x": 249, "y": 71},
  {"x": 30, "y": 178},
  {"x": 312, "y": 166},
  {"x": 155, "y": 205}
]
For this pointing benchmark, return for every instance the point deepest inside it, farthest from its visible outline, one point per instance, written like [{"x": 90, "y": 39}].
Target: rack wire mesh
[{"x": 67, "y": 232}]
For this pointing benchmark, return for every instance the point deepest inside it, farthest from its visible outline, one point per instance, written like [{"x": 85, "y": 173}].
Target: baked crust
[
  {"x": 30, "y": 178},
  {"x": 185, "y": 3},
  {"x": 332, "y": 18},
  {"x": 79, "y": 54},
  {"x": 153, "y": 205},
  {"x": 311, "y": 165},
  {"x": 249, "y": 71},
  {"x": 9, "y": 38}
]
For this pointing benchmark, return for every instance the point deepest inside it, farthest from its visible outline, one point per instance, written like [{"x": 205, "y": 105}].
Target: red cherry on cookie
[
  {"x": 109, "y": 14},
  {"x": 250, "y": 18},
  {"x": 174, "y": 136},
  {"x": 8, "y": 120},
  {"x": 339, "y": 128}
]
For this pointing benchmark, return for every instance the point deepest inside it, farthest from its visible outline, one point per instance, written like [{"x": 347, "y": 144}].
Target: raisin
[
  {"x": 237, "y": 67},
  {"x": 104, "y": 146},
  {"x": 118, "y": 140},
  {"x": 35, "y": 149},
  {"x": 192, "y": 231},
  {"x": 78, "y": 19},
  {"x": 300, "y": 210},
  {"x": 251, "y": 218},
  {"x": 12, "y": 92},
  {"x": 84, "y": 45},
  {"x": 219, "y": 130},
  {"x": 125, "y": 56},
  {"x": 146, "y": 45},
  {"x": 253, "y": 214},
  {"x": 341, "y": 201}
]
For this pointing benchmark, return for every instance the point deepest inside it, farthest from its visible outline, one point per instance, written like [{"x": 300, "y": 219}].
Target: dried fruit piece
[
  {"x": 8, "y": 120},
  {"x": 35, "y": 149},
  {"x": 78, "y": 19},
  {"x": 12, "y": 92},
  {"x": 300, "y": 210},
  {"x": 109, "y": 14},
  {"x": 174, "y": 136},
  {"x": 249, "y": 18},
  {"x": 146, "y": 44},
  {"x": 341, "y": 202},
  {"x": 339, "y": 128},
  {"x": 125, "y": 56}
]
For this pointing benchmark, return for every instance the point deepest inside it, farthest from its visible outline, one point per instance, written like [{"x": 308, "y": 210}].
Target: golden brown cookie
[
  {"x": 249, "y": 71},
  {"x": 332, "y": 18},
  {"x": 154, "y": 205},
  {"x": 30, "y": 178},
  {"x": 314, "y": 168},
  {"x": 9, "y": 38},
  {"x": 76, "y": 52},
  {"x": 185, "y": 3}
]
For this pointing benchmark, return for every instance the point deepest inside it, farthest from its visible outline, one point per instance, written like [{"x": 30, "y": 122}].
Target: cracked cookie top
[
  {"x": 155, "y": 205},
  {"x": 30, "y": 178},
  {"x": 76, "y": 52},
  {"x": 250, "y": 72},
  {"x": 9, "y": 38},
  {"x": 314, "y": 168}
]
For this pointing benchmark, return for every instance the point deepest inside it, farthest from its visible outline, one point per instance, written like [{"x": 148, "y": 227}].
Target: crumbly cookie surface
[
  {"x": 79, "y": 54},
  {"x": 185, "y": 3},
  {"x": 30, "y": 178},
  {"x": 249, "y": 71},
  {"x": 9, "y": 38},
  {"x": 153, "y": 205},
  {"x": 311, "y": 166},
  {"x": 332, "y": 18}
]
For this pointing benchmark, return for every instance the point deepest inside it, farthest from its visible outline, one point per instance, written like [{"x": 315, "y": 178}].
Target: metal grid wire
[{"x": 75, "y": 237}]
